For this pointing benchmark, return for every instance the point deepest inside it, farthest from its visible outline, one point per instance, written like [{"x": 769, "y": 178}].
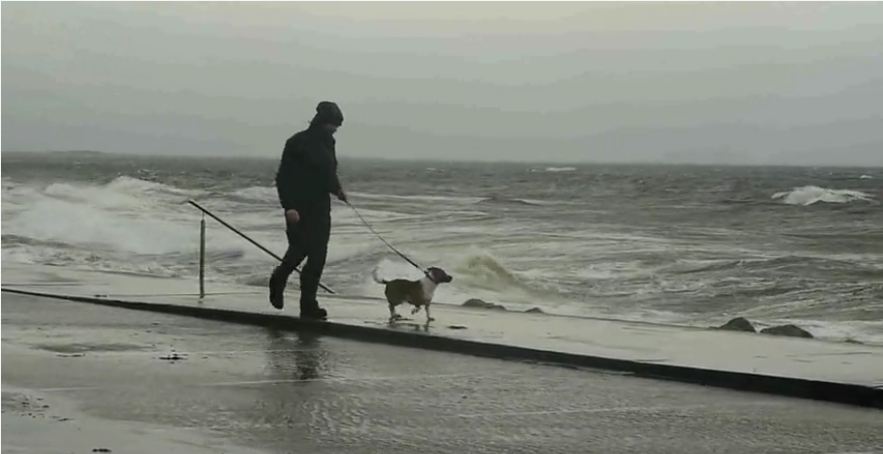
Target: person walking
[{"x": 306, "y": 179}]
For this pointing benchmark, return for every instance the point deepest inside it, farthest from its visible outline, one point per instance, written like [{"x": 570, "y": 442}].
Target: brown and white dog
[{"x": 419, "y": 293}]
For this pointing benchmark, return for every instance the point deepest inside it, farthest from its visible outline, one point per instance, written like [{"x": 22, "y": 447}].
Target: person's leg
[
  {"x": 317, "y": 252},
  {"x": 297, "y": 250}
]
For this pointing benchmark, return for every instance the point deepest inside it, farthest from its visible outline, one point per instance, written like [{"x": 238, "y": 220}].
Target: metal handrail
[{"x": 236, "y": 231}]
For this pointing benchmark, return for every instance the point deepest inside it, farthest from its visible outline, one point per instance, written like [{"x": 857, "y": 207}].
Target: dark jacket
[{"x": 308, "y": 172}]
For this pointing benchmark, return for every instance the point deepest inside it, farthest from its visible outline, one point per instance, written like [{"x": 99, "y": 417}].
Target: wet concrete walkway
[
  {"x": 79, "y": 377},
  {"x": 842, "y": 372}
]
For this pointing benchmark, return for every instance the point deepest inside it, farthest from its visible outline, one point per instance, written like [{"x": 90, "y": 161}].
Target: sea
[{"x": 683, "y": 244}]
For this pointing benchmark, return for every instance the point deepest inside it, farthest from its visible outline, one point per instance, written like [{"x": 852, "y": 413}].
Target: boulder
[
  {"x": 787, "y": 330},
  {"x": 738, "y": 324},
  {"x": 481, "y": 304},
  {"x": 535, "y": 310}
]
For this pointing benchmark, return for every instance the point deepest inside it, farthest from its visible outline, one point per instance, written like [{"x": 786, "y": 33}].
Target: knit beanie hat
[{"x": 328, "y": 112}]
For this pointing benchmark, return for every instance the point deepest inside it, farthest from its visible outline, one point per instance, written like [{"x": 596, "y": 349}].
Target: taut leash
[{"x": 391, "y": 247}]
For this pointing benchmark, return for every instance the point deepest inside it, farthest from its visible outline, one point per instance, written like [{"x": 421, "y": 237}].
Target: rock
[
  {"x": 738, "y": 324},
  {"x": 481, "y": 304},
  {"x": 475, "y": 302},
  {"x": 787, "y": 330},
  {"x": 535, "y": 310}
]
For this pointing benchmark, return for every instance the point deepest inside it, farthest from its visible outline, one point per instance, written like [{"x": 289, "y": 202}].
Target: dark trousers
[{"x": 306, "y": 239}]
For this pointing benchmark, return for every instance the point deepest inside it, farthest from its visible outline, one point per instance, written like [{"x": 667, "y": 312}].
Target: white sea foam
[
  {"x": 257, "y": 193},
  {"x": 137, "y": 186},
  {"x": 555, "y": 169},
  {"x": 809, "y": 195},
  {"x": 126, "y": 214},
  {"x": 69, "y": 222},
  {"x": 419, "y": 197}
]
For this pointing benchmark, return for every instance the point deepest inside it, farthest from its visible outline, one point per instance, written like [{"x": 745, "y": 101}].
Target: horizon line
[{"x": 347, "y": 157}]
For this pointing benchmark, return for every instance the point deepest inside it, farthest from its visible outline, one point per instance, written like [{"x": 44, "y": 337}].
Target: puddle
[{"x": 88, "y": 347}]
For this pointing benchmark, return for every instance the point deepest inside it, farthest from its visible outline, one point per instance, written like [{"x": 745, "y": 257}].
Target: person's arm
[
  {"x": 336, "y": 188},
  {"x": 287, "y": 179}
]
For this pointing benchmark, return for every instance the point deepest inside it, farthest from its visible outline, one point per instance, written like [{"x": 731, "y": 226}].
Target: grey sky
[{"x": 738, "y": 83}]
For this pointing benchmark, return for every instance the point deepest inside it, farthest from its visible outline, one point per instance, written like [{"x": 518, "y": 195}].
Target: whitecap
[{"x": 808, "y": 195}]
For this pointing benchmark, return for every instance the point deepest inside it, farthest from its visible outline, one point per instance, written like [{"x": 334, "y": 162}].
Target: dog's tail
[{"x": 377, "y": 279}]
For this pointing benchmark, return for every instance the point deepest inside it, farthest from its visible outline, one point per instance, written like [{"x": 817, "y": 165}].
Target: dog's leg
[
  {"x": 428, "y": 317},
  {"x": 415, "y": 310},
  {"x": 393, "y": 316}
]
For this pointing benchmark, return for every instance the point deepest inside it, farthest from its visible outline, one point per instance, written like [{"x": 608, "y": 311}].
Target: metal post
[
  {"x": 202, "y": 257},
  {"x": 234, "y": 230}
]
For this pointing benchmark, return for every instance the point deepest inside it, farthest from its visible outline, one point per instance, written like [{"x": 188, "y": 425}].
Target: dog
[{"x": 419, "y": 293}]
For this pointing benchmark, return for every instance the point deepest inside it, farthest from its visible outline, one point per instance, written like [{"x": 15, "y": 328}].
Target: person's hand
[
  {"x": 342, "y": 196},
  {"x": 292, "y": 216}
]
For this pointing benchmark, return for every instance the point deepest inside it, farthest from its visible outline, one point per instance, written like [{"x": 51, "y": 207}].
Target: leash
[{"x": 391, "y": 247}]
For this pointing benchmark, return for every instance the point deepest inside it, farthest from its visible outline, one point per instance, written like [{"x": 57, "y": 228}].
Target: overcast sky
[{"x": 758, "y": 83}]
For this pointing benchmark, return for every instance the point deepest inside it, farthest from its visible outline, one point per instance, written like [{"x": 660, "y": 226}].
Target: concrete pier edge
[{"x": 844, "y": 393}]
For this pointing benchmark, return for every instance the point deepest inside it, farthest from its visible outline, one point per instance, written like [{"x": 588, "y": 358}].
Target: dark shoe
[
  {"x": 315, "y": 313},
  {"x": 277, "y": 293}
]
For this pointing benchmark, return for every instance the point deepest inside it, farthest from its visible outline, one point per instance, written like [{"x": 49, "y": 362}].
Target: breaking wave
[
  {"x": 125, "y": 214},
  {"x": 266, "y": 194},
  {"x": 809, "y": 195},
  {"x": 484, "y": 272},
  {"x": 555, "y": 169}
]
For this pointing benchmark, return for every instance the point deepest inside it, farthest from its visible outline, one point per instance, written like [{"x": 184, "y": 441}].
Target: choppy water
[{"x": 685, "y": 244}]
